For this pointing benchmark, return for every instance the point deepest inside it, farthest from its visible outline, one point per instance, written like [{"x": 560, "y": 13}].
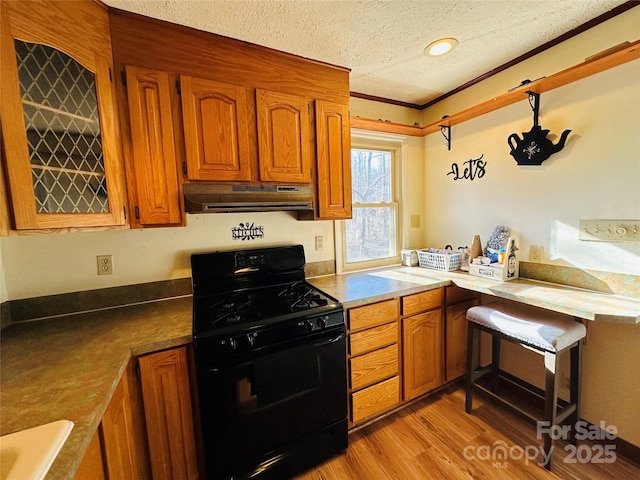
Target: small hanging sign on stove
[{"x": 247, "y": 231}]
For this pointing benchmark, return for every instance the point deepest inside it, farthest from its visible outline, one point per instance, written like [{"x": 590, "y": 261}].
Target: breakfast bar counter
[{"x": 375, "y": 285}]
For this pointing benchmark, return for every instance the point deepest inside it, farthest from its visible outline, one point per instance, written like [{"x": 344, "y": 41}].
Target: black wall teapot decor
[{"x": 534, "y": 147}]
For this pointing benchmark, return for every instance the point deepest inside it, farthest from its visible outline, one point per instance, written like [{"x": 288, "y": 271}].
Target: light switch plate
[{"x": 609, "y": 230}]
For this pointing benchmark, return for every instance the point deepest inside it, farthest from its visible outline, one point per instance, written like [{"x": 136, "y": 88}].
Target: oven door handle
[{"x": 330, "y": 341}]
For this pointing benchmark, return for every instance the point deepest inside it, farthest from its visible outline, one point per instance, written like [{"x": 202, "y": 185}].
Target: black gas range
[{"x": 270, "y": 358}]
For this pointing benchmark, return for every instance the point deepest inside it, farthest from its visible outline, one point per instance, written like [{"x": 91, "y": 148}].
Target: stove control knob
[
  {"x": 251, "y": 338},
  {"x": 308, "y": 324},
  {"x": 322, "y": 321},
  {"x": 230, "y": 344}
]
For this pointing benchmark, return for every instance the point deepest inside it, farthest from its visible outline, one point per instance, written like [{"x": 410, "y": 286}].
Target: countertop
[
  {"x": 68, "y": 367},
  {"x": 375, "y": 285}
]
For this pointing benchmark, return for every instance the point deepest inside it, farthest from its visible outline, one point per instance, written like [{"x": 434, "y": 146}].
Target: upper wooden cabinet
[
  {"x": 216, "y": 130},
  {"x": 283, "y": 137},
  {"x": 333, "y": 143},
  {"x": 151, "y": 164},
  {"x": 245, "y": 113},
  {"x": 60, "y": 130}
]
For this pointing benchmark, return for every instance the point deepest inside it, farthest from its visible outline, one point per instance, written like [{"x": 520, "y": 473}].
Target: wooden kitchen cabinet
[
  {"x": 284, "y": 142},
  {"x": 458, "y": 301},
  {"x": 422, "y": 346},
  {"x": 147, "y": 431},
  {"x": 422, "y": 343},
  {"x": 225, "y": 83},
  {"x": 152, "y": 176},
  {"x": 60, "y": 130},
  {"x": 333, "y": 144},
  {"x": 92, "y": 465},
  {"x": 122, "y": 433},
  {"x": 373, "y": 359},
  {"x": 216, "y": 130},
  {"x": 164, "y": 377}
]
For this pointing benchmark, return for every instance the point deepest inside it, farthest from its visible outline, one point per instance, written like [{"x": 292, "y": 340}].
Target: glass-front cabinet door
[{"x": 63, "y": 166}]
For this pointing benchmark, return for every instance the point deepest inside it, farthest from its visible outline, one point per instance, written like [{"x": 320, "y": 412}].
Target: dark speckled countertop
[{"x": 68, "y": 367}]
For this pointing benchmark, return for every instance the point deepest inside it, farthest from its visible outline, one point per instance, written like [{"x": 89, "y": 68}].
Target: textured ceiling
[{"x": 382, "y": 41}]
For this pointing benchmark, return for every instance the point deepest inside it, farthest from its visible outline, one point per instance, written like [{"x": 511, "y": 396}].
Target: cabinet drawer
[
  {"x": 374, "y": 366},
  {"x": 421, "y": 302},
  {"x": 373, "y": 338},
  {"x": 372, "y": 315},
  {"x": 454, "y": 294},
  {"x": 375, "y": 399}
]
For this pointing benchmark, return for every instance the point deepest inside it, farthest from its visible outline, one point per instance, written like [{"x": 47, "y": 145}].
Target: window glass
[
  {"x": 370, "y": 237},
  {"x": 370, "y": 176},
  {"x": 371, "y": 234}
]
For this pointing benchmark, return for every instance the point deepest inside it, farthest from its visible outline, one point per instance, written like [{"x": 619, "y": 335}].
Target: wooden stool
[{"x": 543, "y": 332}]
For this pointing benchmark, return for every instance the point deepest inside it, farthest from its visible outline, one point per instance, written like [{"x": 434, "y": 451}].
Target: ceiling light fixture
[{"x": 440, "y": 47}]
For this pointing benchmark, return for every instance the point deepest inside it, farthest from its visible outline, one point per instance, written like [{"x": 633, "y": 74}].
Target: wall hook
[
  {"x": 534, "y": 101},
  {"x": 446, "y": 132}
]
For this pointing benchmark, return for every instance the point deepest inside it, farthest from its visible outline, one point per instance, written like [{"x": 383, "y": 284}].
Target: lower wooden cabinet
[
  {"x": 422, "y": 347},
  {"x": 458, "y": 301},
  {"x": 373, "y": 359},
  {"x": 374, "y": 366},
  {"x": 122, "y": 433},
  {"x": 92, "y": 465},
  {"x": 169, "y": 415},
  {"x": 375, "y": 399},
  {"x": 147, "y": 431}
]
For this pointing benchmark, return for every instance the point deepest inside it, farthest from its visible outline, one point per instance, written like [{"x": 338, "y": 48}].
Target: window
[{"x": 371, "y": 238}]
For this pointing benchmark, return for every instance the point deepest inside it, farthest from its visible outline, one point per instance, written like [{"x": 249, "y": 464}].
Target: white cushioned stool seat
[
  {"x": 545, "y": 330},
  {"x": 542, "y": 331}
]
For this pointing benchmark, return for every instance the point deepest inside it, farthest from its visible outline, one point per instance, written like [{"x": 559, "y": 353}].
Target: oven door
[{"x": 258, "y": 409}]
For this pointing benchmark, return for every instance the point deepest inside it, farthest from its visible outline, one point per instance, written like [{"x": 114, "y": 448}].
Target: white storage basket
[{"x": 445, "y": 262}]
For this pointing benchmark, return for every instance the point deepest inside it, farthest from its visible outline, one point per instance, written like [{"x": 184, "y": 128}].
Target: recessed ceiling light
[{"x": 440, "y": 47}]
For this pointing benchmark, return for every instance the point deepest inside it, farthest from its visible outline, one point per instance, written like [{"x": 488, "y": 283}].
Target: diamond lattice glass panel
[{"x": 63, "y": 131}]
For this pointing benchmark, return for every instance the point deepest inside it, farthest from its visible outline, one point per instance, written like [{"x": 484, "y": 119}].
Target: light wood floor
[{"x": 427, "y": 440}]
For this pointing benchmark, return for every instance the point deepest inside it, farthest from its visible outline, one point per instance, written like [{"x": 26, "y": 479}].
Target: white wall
[
  {"x": 38, "y": 265},
  {"x": 596, "y": 175}
]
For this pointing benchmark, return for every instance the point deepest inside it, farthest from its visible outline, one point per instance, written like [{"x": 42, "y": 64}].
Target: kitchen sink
[{"x": 29, "y": 453}]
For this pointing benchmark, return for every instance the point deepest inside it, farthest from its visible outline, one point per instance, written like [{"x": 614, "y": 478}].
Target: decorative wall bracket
[
  {"x": 534, "y": 101},
  {"x": 446, "y": 132}
]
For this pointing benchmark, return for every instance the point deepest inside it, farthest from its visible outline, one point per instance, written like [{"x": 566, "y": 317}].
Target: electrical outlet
[
  {"x": 105, "y": 264},
  {"x": 535, "y": 253},
  {"x": 319, "y": 242}
]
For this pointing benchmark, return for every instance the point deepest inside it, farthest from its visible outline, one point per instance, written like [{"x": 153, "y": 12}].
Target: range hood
[{"x": 211, "y": 198}]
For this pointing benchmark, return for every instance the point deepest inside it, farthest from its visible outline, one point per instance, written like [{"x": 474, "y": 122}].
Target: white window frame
[{"x": 366, "y": 140}]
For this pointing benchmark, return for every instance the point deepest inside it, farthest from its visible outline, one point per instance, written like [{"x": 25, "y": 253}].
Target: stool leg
[
  {"x": 472, "y": 365},
  {"x": 550, "y": 402},
  {"x": 574, "y": 387},
  {"x": 495, "y": 362}
]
